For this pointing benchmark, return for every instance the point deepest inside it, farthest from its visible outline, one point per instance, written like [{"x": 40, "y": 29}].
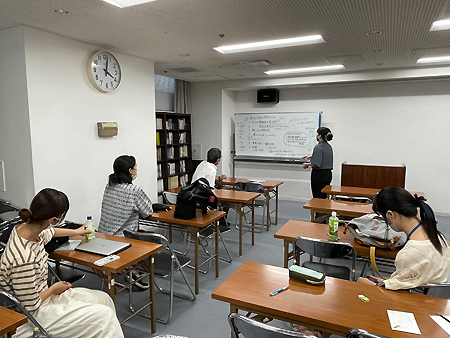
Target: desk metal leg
[
  {"x": 286, "y": 252},
  {"x": 267, "y": 197},
  {"x": 312, "y": 216},
  {"x": 197, "y": 283},
  {"x": 253, "y": 222},
  {"x": 241, "y": 211},
  {"x": 111, "y": 288},
  {"x": 151, "y": 284},
  {"x": 276, "y": 205},
  {"x": 216, "y": 230}
]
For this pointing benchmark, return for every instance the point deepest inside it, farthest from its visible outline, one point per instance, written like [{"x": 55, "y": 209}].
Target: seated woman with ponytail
[
  {"x": 425, "y": 258},
  {"x": 61, "y": 310}
]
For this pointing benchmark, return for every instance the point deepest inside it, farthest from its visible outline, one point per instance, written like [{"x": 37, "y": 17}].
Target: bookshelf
[{"x": 173, "y": 150}]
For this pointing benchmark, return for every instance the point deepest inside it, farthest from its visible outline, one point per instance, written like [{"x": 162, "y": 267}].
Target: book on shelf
[
  {"x": 159, "y": 123},
  {"x": 158, "y": 154},
  {"x": 182, "y": 124},
  {"x": 173, "y": 182},
  {"x": 184, "y": 179},
  {"x": 169, "y": 124},
  {"x": 182, "y": 166},
  {"x": 183, "y": 138},
  {"x": 159, "y": 170},
  {"x": 160, "y": 185},
  {"x": 171, "y": 168},
  {"x": 170, "y": 153},
  {"x": 169, "y": 138},
  {"x": 184, "y": 151},
  {"x": 158, "y": 142}
]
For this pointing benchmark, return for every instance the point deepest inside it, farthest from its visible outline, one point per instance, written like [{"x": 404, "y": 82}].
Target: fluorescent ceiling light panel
[
  {"x": 126, "y": 3},
  {"x": 434, "y": 59},
  {"x": 304, "y": 70},
  {"x": 247, "y": 47},
  {"x": 440, "y": 25}
]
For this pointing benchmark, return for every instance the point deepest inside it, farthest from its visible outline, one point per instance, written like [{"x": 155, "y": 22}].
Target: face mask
[
  {"x": 392, "y": 225},
  {"x": 134, "y": 177}
]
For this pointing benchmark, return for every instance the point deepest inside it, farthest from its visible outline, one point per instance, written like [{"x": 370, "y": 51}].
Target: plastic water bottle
[
  {"x": 90, "y": 226},
  {"x": 333, "y": 223}
]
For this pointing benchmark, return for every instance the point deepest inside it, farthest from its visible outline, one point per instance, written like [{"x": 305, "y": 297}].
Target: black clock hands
[{"x": 106, "y": 70}]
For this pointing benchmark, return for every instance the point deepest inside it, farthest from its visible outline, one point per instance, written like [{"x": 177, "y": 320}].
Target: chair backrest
[
  {"x": 441, "y": 290},
  {"x": 358, "y": 333},
  {"x": 326, "y": 249},
  {"x": 242, "y": 326},
  {"x": 169, "y": 197},
  {"x": 323, "y": 249}
]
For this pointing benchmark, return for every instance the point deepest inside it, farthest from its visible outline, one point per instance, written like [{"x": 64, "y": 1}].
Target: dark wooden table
[
  {"x": 10, "y": 321},
  {"x": 342, "y": 208}
]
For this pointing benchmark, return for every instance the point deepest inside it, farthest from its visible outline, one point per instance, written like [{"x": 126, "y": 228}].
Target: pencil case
[{"x": 305, "y": 275}]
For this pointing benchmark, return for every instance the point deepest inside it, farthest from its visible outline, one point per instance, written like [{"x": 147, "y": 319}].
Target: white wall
[
  {"x": 381, "y": 124},
  {"x": 15, "y": 147},
  {"x": 64, "y": 109}
]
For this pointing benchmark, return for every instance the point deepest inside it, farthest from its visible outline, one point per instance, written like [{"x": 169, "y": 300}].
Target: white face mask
[
  {"x": 392, "y": 225},
  {"x": 134, "y": 177}
]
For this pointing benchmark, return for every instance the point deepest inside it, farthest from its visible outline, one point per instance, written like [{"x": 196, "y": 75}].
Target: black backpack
[{"x": 199, "y": 194}]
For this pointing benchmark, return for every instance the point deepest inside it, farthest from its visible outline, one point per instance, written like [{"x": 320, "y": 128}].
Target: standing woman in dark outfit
[{"x": 321, "y": 162}]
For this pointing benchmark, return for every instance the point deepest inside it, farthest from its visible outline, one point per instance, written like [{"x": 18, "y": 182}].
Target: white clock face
[{"x": 104, "y": 71}]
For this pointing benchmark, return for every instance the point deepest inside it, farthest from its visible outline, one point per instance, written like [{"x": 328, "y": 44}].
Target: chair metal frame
[
  {"x": 174, "y": 267},
  {"x": 298, "y": 250},
  {"x": 255, "y": 329},
  {"x": 359, "y": 333},
  {"x": 255, "y": 187}
]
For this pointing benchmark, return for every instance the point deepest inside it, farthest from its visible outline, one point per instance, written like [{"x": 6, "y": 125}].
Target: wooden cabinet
[{"x": 173, "y": 150}]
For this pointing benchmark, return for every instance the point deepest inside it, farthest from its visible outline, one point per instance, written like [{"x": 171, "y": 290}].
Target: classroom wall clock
[{"x": 103, "y": 71}]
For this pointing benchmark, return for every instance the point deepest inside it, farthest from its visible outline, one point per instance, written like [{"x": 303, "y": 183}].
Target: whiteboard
[{"x": 276, "y": 135}]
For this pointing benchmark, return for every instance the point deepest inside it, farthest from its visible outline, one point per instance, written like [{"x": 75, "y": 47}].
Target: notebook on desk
[{"x": 104, "y": 247}]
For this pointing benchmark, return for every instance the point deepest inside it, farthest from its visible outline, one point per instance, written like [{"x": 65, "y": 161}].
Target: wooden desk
[
  {"x": 193, "y": 227},
  {"x": 293, "y": 229},
  {"x": 236, "y": 200},
  {"x": 138, "y": 255},
  {"x": 342, "y": 208},
  {"x": 333, "y": 190},
  {"x": 10, "y": 321},
  {"x": 334, "y": 307},
  {"x": 270, "y": 191}
]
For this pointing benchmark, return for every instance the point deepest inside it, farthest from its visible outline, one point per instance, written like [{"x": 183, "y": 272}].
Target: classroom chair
[
  {"x": 245, "y": 327},
  {"x": 260, "y": 202},
  {"x": 9, "y": 301},
  {"x": 440, "y": 290},
  {"x": 166, "y": 264},
  {"x": 358, "y": 333},
  {"x": 326, "y": 249}
]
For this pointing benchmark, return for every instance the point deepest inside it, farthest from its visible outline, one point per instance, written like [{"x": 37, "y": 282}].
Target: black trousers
[{"x": 319, "y": 179}]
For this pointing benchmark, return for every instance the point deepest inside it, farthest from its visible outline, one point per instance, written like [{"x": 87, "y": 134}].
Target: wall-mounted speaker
[{"x": 269, "y": 95}]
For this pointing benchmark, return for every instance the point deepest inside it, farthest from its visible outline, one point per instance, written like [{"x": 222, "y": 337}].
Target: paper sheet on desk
[
  {"x": 403, "y": 321},
  {"x": 442, "y": 322},
  {"x": 257, "y": 181},
  {"x": 71, "y": 244}
]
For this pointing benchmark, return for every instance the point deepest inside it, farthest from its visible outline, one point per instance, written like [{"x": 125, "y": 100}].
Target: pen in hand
[{"x": 273, "y": 293}]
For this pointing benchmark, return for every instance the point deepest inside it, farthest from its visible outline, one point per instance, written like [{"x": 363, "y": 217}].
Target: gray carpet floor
[{"x": 205, "y": 317}]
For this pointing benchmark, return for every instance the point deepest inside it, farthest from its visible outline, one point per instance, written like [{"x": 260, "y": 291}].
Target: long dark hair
[
  {"x": 122, "y": 166},
  {"x": 325, "y": 133},
  {"x": 399, "y": 200},
  {"x": 48, "y": 203}
]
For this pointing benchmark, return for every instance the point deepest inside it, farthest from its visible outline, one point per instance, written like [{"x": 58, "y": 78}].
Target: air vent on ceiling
[
  {"x": 344, "y": 59},
  {"x": 186, "y": 70},
  {"x": 259, "y": 63},
  {"x": 211, "y": 77}
]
